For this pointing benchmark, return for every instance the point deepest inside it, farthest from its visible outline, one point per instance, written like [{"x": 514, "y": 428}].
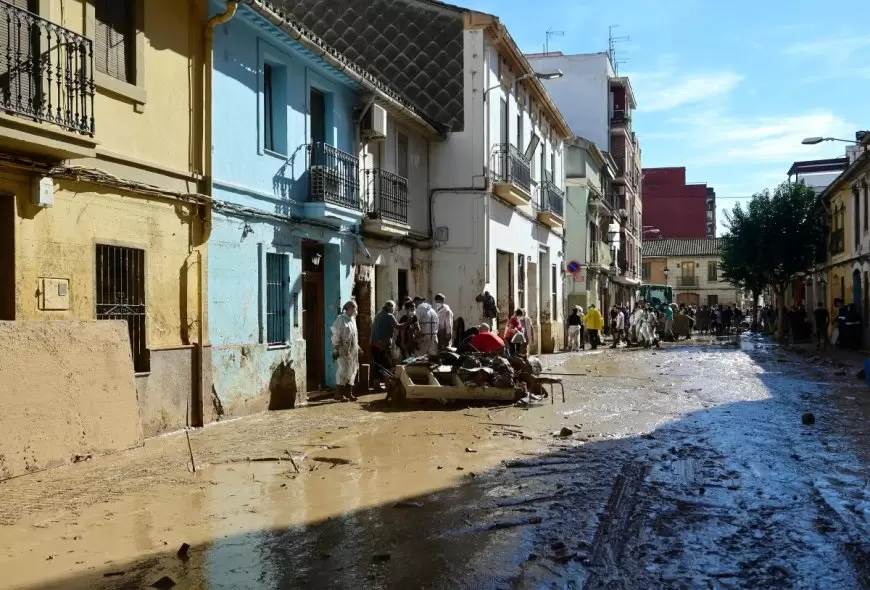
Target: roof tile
[{"x": 682, "y": 247}]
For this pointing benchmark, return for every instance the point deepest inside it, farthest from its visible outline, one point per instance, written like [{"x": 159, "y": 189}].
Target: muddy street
[{"x": 687, "y": 467}]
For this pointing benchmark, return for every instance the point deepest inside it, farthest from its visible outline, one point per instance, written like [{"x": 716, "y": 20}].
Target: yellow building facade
[{"x": 102, "y": 206}]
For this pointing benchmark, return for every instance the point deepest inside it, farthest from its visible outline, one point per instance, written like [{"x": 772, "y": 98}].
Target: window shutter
[
  {"x": 17, "y": 65},
  {"x": 114, "y": 38}
]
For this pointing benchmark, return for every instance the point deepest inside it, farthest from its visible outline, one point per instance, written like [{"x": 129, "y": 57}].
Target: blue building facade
[{"x": 286, "y": 213}]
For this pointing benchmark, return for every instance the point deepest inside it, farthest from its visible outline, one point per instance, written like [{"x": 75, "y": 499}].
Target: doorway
[
  {"x": 504, "y": 288},
  {"x": 856, "y": 289},
  {"x": 317, "y": 112},
  {"x": 403, "y": 285},
  {"x": 7, "y": 257},
  {"x": 313, "y": 317}
]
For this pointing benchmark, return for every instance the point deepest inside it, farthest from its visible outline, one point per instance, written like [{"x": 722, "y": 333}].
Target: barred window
[
  {"x": 276, "y": 298},
  {"x": 121, "y": 295}
]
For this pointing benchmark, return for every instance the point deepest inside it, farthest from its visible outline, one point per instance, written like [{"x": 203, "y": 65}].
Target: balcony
[
  {"x": 551, "y": 207},
  {"x": 333, "y": 179},
  {"x": 46, "y": 87},
  {"x": 387, "y": 213},
  {"x": 603, "y": 205},
  {"x": 511, "y": 175},
  {"x": 600, "y": 255},
  {"x": 687, "y": 281},
  {"x": 620, "y": 118}
]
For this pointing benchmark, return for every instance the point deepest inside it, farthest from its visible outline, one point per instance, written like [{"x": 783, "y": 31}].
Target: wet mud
[{"x": 684, "y": 467}]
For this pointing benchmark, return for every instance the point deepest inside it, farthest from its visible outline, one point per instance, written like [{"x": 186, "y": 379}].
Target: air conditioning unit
[{"x": 374, "y": 124}]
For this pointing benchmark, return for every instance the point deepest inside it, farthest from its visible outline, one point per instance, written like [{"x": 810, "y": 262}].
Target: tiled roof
[
  {"x": 671, "y": 247},
  {"x": 413, "y": 46}
]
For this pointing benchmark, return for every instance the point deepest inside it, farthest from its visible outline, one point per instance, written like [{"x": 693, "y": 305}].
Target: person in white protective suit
[
  {"x": 345, "y": 351},
  {"x": 427, "y": 318},
  {"x": 637, "y": 325}
]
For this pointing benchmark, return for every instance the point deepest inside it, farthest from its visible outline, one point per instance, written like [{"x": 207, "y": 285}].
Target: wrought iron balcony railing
[
  {"x": 333, "y": 176},
  {"x": 510, "y": 165},
  {"x": 687, "y": 281},
  {"x": 46, "y": 71},
  {"x": 388, "y": 195},
  {"x": 620, "y": 117},
  {"x": 838, "y": 242},
  {"x": 552, "y": 199}
]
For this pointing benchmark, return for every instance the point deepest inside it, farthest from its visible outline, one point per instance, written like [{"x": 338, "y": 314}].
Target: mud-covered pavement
[{"x": 689, "y": 467}]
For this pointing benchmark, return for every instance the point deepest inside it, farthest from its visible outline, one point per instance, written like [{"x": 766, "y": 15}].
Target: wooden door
[{"x": 313, "y": 318}]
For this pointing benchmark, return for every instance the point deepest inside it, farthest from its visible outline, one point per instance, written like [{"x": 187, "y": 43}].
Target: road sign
[{"x": 573, "y": 267}]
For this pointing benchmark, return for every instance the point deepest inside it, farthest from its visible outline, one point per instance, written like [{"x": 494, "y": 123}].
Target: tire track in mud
[
  {"x": 856, "y": 550},
  {"x": 616, "y": 527}
]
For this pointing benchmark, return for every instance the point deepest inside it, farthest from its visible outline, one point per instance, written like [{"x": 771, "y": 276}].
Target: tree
[
  {"x": 741, "y": 262},
  {"x": 772, "y": 241}
]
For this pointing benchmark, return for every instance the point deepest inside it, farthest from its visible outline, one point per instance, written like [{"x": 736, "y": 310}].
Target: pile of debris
[{"x": 484, "y": 370}]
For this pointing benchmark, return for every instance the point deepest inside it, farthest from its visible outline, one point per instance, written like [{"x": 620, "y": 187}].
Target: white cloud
[
  {"x": 666, "y": 90},
  {"x": 841, "y": 56},
  {"x": 727, "y": 140}
]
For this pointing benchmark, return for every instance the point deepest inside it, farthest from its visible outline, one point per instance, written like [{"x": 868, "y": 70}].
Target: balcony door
[
  {"x": 317, "y": 114},
  {"x": 19, "y": 68},
  {"x": 687, "y": 274},
  {"x": 504, "y": 139}
]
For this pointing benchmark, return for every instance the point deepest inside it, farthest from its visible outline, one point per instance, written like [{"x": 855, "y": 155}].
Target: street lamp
[
  {"x": 818, "y": 140},
  {"x": 539, "y": 75}
]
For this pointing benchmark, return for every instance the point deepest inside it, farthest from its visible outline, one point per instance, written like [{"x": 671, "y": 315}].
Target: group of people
[
  {"x": 421, "y": 329},
  {"x": 648, "y": 324}
]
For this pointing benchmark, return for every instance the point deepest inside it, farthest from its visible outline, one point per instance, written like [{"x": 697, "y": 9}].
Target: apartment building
[{"x": 599, "y": 105}]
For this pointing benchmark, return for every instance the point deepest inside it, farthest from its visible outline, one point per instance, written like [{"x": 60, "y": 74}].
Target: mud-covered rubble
[{"x": 485, "y": 370}]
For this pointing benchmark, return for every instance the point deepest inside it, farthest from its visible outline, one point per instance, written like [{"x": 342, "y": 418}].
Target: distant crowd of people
[
  {"x": 843, "y": 328},
  {"x": 648, "y": 324}
]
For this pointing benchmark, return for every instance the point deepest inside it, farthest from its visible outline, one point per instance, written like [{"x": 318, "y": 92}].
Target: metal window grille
[
  {"x": 121, "y": 295},
  {"x": 115, "y": 38},
  {"x": 46, "y": 71},
  {"x": 390, "y": 199},
  {"x": 334, "y": 176},
  {"x": 276, "y": 298}
]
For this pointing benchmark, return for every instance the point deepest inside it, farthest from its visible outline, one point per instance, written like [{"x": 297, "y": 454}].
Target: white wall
[
  {"x": 458, "y": 161},
  {"x": 582, "y": 94}
]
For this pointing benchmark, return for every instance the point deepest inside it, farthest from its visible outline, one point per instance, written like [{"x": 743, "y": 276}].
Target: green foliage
[{"x": 773, "y": 239}]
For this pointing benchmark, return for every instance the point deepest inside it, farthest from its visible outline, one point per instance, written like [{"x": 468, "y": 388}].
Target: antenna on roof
[
  {"x": 551, "y": 33},
  {"x": 612, "y": 40}
]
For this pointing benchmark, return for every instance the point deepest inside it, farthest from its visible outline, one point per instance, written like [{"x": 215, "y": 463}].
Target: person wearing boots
[{"x": 345, "y": 350}]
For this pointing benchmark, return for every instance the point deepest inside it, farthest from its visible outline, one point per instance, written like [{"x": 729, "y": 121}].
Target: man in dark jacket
[{"x": 490, "y": 309}]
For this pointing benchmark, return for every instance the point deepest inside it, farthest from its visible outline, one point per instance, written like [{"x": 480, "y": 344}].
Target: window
[
  {"x": 856, "y": 210},
  {"x": 645, "y": 271},
  {"x": 712, "y": 271},
  {"x": 554, "y": 310},
  {"x": 402, "y": 154},
  {"x": 268, "y": 109},
  {"x": 120, "y": 274},
  {"x": 866, "y": 205},
  {"x": 274, "y": 90},
  {"x": 553, "y": 165},
  {"x": 544, "y": 176},
  {"x": 712, "y": 300},
  {"x": 521, "y": 281},
  {"x": 520, "y": 145},
  {"x": 115, "y": 38},
  {"x": 276, "y": 298}
]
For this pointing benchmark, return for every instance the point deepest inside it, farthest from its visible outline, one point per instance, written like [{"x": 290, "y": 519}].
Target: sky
[{"x": 726, "y": 89}]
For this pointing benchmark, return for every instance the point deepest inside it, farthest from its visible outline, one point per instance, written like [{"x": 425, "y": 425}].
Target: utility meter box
[{"x": 42, "y": 191}]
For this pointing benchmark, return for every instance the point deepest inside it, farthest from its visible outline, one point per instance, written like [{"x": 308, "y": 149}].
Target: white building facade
[
  {"x": 599, "y": 106},
  {"x": 498, "y": 190},
  {"x": 589, "y": 212}
]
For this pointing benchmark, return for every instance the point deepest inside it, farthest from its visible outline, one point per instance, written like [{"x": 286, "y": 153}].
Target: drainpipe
[{"x": 197, "y": 415}]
